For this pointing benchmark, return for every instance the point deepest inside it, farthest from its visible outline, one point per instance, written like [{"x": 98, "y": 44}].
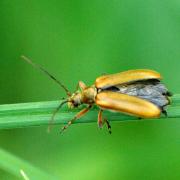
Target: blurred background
[{"x": 81, "y": 40}]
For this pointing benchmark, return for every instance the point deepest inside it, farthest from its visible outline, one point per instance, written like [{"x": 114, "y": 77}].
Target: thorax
[{"x": 89, "y": 94}]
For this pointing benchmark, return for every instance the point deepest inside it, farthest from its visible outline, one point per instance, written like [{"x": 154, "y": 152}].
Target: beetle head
[
  {"x": 75, "y": 100},
  {"x": 85, "y": 96}
]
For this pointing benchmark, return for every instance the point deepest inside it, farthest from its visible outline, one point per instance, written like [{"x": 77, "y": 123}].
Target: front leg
[{"x": 77, "y": 116}]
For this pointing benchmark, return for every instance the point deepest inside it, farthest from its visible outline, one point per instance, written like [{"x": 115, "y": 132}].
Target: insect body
[{"x": 135, "y": 92}]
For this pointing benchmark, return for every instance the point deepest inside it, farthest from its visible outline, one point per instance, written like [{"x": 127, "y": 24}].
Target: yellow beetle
[{"x": 135, "y": 92}]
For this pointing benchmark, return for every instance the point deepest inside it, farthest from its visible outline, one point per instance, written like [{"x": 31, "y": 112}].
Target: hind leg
[
  {"x": 165, "y": 112},
  {"x": 102, "y": 120}
]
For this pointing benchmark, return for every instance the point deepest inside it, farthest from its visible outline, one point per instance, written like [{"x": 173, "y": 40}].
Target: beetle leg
[
  {"x": 80, "y": 85},
  {"x": 77, "y": 116},
  {"x": 108, "y": 125},
  {"x": 102, "y": 120},
  {"x": 164, "y": 112}
]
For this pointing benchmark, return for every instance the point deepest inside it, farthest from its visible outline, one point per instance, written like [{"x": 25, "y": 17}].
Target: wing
[
  {"x": 127, "y": 104},
  {"x": 150, "y": 90},
  {"x": 126, "y": 77}
]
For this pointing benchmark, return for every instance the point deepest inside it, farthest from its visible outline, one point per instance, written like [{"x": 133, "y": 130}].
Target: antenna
[{"x": 45, "y": 72}]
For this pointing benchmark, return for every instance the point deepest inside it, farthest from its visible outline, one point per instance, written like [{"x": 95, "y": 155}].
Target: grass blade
[
  {"x": 39, "y": 113},
  {"x": 21, "y": 168}
]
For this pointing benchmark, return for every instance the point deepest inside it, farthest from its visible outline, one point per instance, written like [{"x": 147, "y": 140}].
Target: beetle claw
[
  {"x": 65, "y": 127},
  {"x": 165, "y": 113},
  {"x": 108, "y": 126}
]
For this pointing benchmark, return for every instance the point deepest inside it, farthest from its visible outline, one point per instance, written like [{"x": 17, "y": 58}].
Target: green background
[{"x": 81, "y": 40}]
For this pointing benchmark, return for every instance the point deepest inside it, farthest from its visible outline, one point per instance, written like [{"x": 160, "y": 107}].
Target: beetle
[{"x": 138, "y": 92}]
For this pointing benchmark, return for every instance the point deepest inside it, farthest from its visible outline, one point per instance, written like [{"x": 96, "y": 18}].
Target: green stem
[
  {"x": 39, "y": 113},
  {"x": 21, "y": 168}
]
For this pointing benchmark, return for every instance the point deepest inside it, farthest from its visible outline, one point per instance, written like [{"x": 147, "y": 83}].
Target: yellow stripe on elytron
[
  {"x": 127, "y": 104},
  {"x": 126, "y": 77}
]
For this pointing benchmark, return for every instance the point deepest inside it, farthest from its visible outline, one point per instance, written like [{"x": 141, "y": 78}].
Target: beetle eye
[{"x": 75, "y": 104}]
